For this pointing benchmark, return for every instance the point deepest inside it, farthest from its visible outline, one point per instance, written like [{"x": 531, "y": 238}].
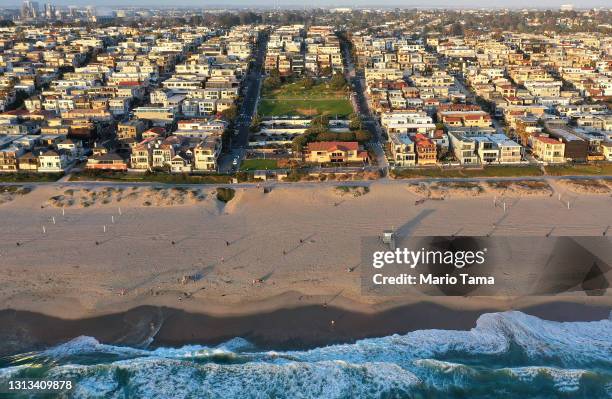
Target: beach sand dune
[{"x": 292, "y": 246}]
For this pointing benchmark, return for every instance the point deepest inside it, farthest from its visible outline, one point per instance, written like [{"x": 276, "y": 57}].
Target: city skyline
[{"x": 293, "y": 4}]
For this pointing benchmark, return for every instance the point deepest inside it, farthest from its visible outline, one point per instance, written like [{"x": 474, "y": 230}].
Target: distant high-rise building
[
  {"x": 29, "y": 9},
  {"x": 567, "y": 7},
  {"x": 90, "y": 11},
  {"x": 49, "y": 11}
]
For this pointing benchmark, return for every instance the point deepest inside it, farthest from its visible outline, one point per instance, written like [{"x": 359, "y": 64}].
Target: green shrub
[{"x": 225, "y": 194}]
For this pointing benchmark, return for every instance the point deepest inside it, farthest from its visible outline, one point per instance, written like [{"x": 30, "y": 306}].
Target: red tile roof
[
  {"x": 333, "y": 145},
  {"x": 547, "y": 140}
]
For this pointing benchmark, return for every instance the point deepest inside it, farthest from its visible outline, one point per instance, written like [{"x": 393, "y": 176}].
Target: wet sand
[{"x": 299, "y": 328}]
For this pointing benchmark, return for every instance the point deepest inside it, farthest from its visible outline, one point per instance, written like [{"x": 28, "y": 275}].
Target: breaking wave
[{"x": 509, "y": 354}]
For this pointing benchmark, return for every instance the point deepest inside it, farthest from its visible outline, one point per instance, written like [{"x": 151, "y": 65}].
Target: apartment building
[
  {"x": 402, "y": 149},
  {"x": 131, "y": 130},
  {"x": 547, "y": 149},
  {"x": 206, "y": 153},
  {"x": 156, "y": 115},
  {"x": 463, "y": 148},
  {"x": 407, "y": 122}
]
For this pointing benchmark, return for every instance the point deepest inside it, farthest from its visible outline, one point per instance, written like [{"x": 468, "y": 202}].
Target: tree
[
  {"x": 457, "y": 29},
  {"x": 273, "y": 81},
  {"x": 355, "y": 122},
  {"x": 345, "y": 136},
  {"x": 327, "y": 136},
  {"x": 363, "y": 136},
  {"x": 337, "y": 81},
  {"x": 20, "y": 97},
  {"x": 326, "y": 71},
  {"x": 308, "y": 82},
  {"x": 230, "y": 113},
  {"x": 318, "y": 124},
  {"x": 255, "y": 123},
  {"x": 299, "y": 142},
  {"x": 320, "y": 121}
]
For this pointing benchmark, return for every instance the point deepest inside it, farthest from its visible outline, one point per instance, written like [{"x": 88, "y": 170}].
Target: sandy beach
[{"x": 79, "y": 252}]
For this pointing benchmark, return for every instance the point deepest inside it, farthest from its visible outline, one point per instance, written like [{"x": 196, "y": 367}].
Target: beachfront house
[
  {"x": 206, "y": 153},
  {"x": 334, "y": 152},
  {"x": 107, "y": 161},
  {"x": 52, "y": 161},
  {"x": 402, "y": 149},
  {"x": 425, "y": 150},
  {"x": 547, "y": 149}
]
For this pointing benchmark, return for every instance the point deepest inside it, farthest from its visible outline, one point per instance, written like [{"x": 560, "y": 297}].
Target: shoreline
[{"x": 283, "y": 329}]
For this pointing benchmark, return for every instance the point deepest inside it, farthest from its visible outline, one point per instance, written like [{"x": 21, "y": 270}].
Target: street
[
  {"x": 239, "y": 138},
  {"x": 369, "y": 121}
]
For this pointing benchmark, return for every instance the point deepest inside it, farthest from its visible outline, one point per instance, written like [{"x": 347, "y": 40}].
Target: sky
[{"x": 325, "y": 3}]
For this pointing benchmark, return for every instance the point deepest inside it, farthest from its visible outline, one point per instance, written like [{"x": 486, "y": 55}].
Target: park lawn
[
  {"x": 587, "y": 169},
  {"x": 296, "y": 90},
  {"x": 258, "y": 164},
  {"x": 293, "y": 99},
  {"x": 281, "y": 107},
  {"x": 487, "y": 171}
]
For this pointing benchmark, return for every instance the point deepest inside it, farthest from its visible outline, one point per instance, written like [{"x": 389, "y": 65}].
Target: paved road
[
  {"x": 252, "y": 84},
  {"x": 369, "y": 121},
  {"x": 383, "y": 181}
]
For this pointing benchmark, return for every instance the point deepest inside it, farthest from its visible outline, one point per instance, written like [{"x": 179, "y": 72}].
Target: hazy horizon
[{"x": 288, "y": 4}]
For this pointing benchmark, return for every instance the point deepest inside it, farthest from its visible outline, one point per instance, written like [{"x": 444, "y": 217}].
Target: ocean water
[{"x": 506, "y": 355}]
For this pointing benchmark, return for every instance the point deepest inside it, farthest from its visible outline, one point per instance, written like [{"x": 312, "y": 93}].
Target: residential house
[
  {"x": 28, "y": 162},
  {"x": 402, "y": 149},
  {"x": 53, "y": 161},
  {"x": 334, "y": 152},
  {"x": 425, "y": 150},
  {"x": 141, "y": 155},
  {"x": 131, "y": 129},
  {"x": 206, "y": 153},
  {"x": 107, "y": 161},
  {"x": 547, "y": 149}
]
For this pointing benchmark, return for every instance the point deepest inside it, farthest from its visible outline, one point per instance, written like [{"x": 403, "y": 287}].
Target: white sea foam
[
  {"x": 440, "y": 361},
  {"x": 10, "y": 372},
  {"x": 564, "y": 380},
  {"x": 83, "y": 344},
  {"x": 568, "y": 344},
  {"x": 170, "y": 378}
]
